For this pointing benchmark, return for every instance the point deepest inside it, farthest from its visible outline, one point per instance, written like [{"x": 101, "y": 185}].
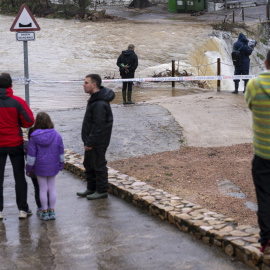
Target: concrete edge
[{"x": 240, "y": 242}]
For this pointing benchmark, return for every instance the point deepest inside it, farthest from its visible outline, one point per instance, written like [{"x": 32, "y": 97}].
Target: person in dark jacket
[
  {"x": 14, "y": 114},
  {"x": 45, "y": 157},
  {"x": 245, "y": 51},
  {"x": 96, "y": 134},
  {"x": 127, "y": 63}
]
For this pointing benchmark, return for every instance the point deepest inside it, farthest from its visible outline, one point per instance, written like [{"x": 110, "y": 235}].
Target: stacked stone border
[{"x": 239, "y": 242}]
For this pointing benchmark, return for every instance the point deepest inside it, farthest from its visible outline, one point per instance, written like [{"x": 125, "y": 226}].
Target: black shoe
[
  {"x": 85, "y": 193},
  {"x": 97, "y": 196},
  {"x": 235, "y": 92}
]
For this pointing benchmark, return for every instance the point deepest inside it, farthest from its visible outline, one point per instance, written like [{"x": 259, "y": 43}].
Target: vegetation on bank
[{"x": 67, "y": 9}]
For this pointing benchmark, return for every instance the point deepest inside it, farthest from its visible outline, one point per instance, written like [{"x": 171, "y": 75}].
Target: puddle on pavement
[{"x": 226, "y": 187}]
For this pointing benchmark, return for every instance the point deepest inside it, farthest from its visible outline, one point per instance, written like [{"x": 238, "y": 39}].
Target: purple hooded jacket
[{"x": 45, "y": 153}]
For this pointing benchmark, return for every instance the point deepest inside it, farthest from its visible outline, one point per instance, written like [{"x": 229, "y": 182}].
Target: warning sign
[
  {"x": 25, "y": 36},
  {"x": 24, "y": 21}
]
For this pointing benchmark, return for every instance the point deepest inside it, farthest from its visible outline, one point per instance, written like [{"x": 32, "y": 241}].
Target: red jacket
[{"x": 14, "y": 114}]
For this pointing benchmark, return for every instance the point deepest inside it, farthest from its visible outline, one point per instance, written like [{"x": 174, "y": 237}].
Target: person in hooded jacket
[
  {"x": 96, "y": 134},
  {"x": 45, "y": 157},
  {"x": 127, "y": 63},
  {"x": 258, "y": 99},
  {"x": 245, "y": 51},
  {"x": 14, "y": 114}
]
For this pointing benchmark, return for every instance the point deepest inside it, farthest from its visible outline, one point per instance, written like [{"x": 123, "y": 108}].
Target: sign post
[{"x": 23, "y": 23}]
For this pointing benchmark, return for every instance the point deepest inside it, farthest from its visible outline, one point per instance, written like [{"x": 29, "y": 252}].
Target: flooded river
[{"x": 67, "y": 50}]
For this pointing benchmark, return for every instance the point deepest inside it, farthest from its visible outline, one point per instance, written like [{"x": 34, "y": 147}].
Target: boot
[
  {"x": 97, "y": 196},
  {"x": 129, "y": 98},
  {"x": 245, "y": 86},
  {"x": 236, "y": 85},
  {"x": 124, "y": 97},
  {"x": 85, "y": 193}
]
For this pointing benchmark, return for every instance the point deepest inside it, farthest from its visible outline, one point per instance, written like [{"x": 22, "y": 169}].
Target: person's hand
[{"x": 86, "y": 148}]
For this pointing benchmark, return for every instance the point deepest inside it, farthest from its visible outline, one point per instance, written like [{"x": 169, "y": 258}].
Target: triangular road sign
[{"x": 24, "y": 21}]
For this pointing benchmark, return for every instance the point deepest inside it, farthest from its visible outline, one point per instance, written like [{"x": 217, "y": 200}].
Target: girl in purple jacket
[{"x": 45, "y": 157}]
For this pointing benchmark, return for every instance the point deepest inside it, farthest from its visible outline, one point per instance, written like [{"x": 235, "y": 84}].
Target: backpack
[{"x": 236, "y": 57}]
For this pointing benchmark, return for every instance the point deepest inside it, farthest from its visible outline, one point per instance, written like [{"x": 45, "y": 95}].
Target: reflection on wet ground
[
  {"x": 62, "y": 96},
  {"x": 145, "y": 92},
  {"x": 105, "y": 234}
]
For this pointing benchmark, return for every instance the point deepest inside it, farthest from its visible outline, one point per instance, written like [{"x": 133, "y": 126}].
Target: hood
[
  {"x": 242, "y": 38},
  {"x": 103, "y": 94},
  {"x": 128, "y": 52},
  {"x": 6, "y": 93},
  {"x": 44, "y": 137}
]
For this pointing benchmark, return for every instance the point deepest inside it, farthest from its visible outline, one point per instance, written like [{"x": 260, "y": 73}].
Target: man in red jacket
[{"x": 14, "y": 114}]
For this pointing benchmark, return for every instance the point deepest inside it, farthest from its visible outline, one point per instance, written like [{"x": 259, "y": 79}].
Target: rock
[{"x": 229, "y": 250}]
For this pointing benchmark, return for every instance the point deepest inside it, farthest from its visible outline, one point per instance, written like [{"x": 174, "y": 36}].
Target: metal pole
[
  {"x": 233, "y": 17},
  {"x": 173, "y": 72},
  {"x": 243, "y": 15},
  {"x": 218, "y": 73},
  {"x": 26, "y": 73},
  {"x": 225, "y": 4}
]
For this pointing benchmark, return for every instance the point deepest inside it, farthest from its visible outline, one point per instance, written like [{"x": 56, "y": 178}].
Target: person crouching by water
[
  {"x": 45, "y": 157},
  {"x": 96, "y": 134}
]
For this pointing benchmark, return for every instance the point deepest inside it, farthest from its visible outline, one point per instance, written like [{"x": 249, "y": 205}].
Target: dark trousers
[
  {"x": 127, "y": 85},
  {"x": 16, "y": 155},
  {"x": 261, "y": 178},
  {"x": 36, "y": 188},
  {"x": 240, "y": 71},
  {"x": 96, "y": 172}
]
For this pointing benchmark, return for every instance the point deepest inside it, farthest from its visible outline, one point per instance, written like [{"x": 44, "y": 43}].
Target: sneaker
[
  {"x": 25, "y": 214},
  {"x": 1, "y": 216},
  {"x": 85, "y": 193},
  {"x": 96, "y": 196},
  {"x": 265, "y": 249},
  {"x": 39, "y": 212},
  {"x": 44, "y": 216},
  {"x": 52, "y": 214}
]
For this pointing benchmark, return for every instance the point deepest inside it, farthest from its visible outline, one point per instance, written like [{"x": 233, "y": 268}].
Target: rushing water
[{"x": 67, "y": 50}]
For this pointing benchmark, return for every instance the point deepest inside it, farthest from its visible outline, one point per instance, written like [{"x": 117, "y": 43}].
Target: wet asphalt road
[
  {"x": 141, "y": 129},
  {"x": 104, "y": 234}
]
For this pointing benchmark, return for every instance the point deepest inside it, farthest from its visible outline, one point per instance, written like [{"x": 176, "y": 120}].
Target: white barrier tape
[{"x": 155, "y": 79}]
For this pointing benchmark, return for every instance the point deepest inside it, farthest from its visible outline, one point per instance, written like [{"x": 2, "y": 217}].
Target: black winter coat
[
  {"x": 129, "y": 58},
  {"x": 98, "y": 119},
  {"x": 245, "y": 51}
]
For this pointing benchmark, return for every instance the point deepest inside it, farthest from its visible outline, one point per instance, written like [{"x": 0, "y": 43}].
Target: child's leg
[
  {"x": 52, "y": 191},
  {"x": 36, "y": 189},
  {"x": 43, "y": 189}
]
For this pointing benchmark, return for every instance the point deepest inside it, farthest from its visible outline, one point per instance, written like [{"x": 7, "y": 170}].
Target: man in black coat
[
  {"x": 243, "y": 69},
  {"x": 127, "y": 63},
  {"x": 96, "y": 135}
]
